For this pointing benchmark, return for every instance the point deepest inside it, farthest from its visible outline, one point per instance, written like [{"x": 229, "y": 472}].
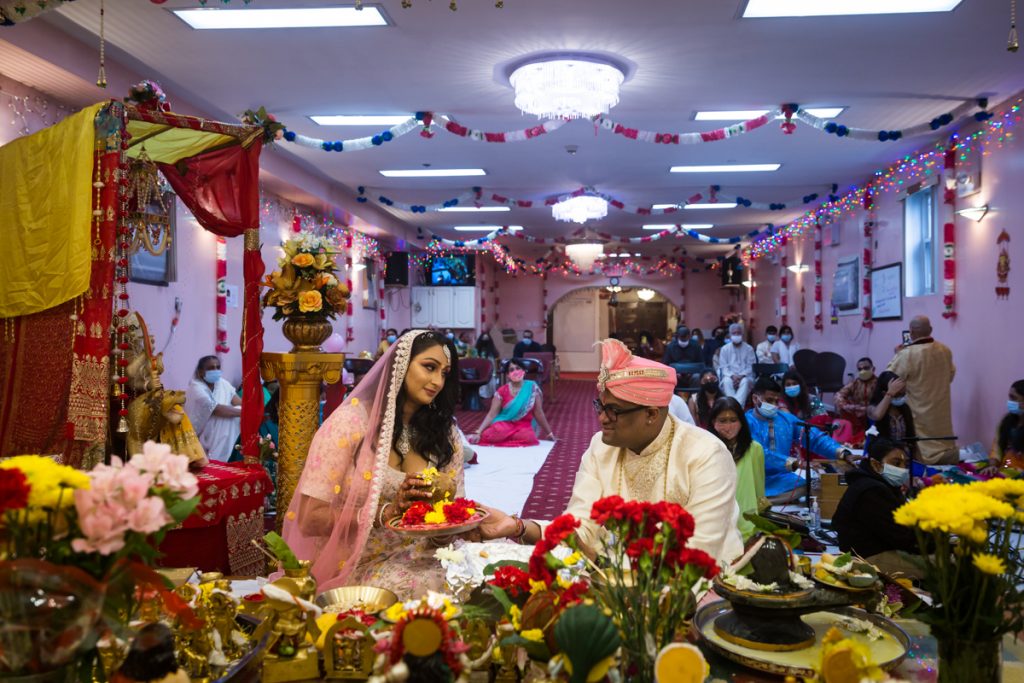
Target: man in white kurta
[
  {"x": 736, "y": 365},
  {"x": 927, "y": 366},
  {"x": 213, "y": 408}
]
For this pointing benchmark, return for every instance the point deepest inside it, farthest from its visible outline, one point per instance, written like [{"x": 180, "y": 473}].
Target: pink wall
[{"x": 986, "y": 333}]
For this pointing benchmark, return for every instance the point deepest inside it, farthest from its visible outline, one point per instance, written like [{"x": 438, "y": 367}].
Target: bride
[{"x": 363, "y": 469}]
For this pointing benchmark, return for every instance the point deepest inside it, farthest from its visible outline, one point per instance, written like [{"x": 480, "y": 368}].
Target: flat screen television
[{"x": 452, "y": 271}]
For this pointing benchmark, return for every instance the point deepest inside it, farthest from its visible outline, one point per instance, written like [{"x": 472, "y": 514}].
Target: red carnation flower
[
  {"x": 512, "y": 580},
  {"x": 700, "y": 559},
  {"x": 640, "y": 547},
  {"x": 14, "y": 490},
  {"x": 416, "y": 513},
  {"x": 604, "y": 508},
  {"x": 561, "y": 528},
  {"x": 573, "y": 594},
  {"x": 539, "y": 569}
]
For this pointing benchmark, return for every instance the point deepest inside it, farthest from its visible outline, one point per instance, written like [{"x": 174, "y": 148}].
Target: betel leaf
[
  {"x": 493, "y": 566},
  {"x": 279, "y": 548},
  {"x": 843, "y": 560},
  {"x": 586, "y": 635}
]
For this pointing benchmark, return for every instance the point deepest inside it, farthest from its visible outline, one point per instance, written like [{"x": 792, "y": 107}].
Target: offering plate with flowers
[{"x": 444, "y": 518}]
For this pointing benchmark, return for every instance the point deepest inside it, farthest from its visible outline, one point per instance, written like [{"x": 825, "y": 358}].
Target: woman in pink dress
[{"x": 515, "y": 407}]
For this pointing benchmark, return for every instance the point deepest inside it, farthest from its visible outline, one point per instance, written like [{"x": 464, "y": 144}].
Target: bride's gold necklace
[{"x": 622, "y": 479}]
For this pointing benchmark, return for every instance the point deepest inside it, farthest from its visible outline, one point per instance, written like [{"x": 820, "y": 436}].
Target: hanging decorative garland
[
  {"x": 869, "y": 229},
  {"x": 222, "y": 296},
  {"x": 682, "y": 295},
  {"x": 656, "y": 138},
  {"x": 949, "y": 236},
  {"x": 783, "y": 290},
  {"x": 819, "y": 324},
  {"x": 839, "y": 130},
  {"x": 1003, "y": 266}
]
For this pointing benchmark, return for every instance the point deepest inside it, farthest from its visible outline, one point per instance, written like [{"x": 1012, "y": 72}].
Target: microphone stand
[
  {"x": 828, "y": 429},
  {"x": 910, "y": 441}
]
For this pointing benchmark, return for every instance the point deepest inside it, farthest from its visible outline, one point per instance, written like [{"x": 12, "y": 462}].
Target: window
[{"x": 919, "y": 240}]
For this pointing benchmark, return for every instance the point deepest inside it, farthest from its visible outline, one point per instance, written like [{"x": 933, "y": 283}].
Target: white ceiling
[{"x": 891, "y": 71}]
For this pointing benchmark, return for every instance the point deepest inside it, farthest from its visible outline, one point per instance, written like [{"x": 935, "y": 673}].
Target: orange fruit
[
  {"x": 838, "y": 666},
  {"x": 680, "y": 663}
]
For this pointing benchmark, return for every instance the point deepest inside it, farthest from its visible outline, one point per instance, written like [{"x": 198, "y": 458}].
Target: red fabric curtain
[{"x": 221, "y": 189}]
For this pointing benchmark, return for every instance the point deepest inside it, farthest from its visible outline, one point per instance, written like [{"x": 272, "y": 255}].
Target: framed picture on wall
[
  {"x": 368, "y": 284},
  {"x": 846, "y": 286},
  {"x": 887, "y": 292},
  {"x": 152, "y": 260}
]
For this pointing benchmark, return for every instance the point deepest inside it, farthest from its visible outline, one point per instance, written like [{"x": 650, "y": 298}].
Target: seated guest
[
  {"x": 1008, "y": 448},
  {"x": 797, "y": 400},
  {"x": 460, "y": 346},
  {"x": 889, "y": 412},
  {"x": 683, "y": 355},
  {"x": 515, "y": 406},
  {"x": 389, "y": 338},
  {"x": 705, "y": 398},
  {"x": 712, "y": 345},
  {"x": 729, "y": 424},
  {"x": 863, "y": 521},
  {"x": 650, "y": 346},
  {"x": 485, "y": 347},
  {"x": 642, "y": 453},
  {"x": 736, "y": 365},
  {"x": 350, "y": 486},
  {"x": 764, "y": 349},
  {"x": 214, "y": 409},
  {"x": 785, "y": 347},
  {"x": 778, "y": 432},
  {"x": 526, "y": 345},
  {"x": 678, "y": 409},
  {"x": 464, "y": 345},
  {"x": 852, "y": 400}
]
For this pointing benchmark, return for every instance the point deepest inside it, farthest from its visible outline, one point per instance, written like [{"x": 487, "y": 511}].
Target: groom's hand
[{"x": 497, "y": 525}]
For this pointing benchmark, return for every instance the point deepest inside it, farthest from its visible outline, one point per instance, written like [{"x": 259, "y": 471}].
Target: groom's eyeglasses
[{"x": 613, "y": 412}]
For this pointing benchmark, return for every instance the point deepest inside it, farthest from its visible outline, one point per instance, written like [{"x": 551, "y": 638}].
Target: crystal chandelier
[
  {"x": 584, "y": 252},
  {"x": 567, "y": 86},
  {"x": 645, "y": 294},
  {"x": 580, "y": 209}
]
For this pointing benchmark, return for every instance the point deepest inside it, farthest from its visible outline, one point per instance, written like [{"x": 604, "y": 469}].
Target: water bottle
[{"x": 814, "y": 524}]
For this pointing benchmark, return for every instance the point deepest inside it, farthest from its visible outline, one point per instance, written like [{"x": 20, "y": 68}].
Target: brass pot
[{"x": 307, "y": 334}]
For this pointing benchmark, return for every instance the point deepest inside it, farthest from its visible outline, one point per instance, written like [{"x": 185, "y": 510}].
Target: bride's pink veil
[{"x": 346, "y": 463}]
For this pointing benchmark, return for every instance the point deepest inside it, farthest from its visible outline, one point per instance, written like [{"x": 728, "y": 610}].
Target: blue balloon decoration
[
  {"x": 361, "y": 200},
  {"x": 338, "y": 146},
  {"x": 420, "y": 115},
  {"x": 831, "y": 127},
  {"x": 387, "y": 136},
  {"x": 289, "y": 136},
  {"x": 376, "y": 140},
  {"x": 326, "y": 146},
  {"x": 883, "y": 135}
]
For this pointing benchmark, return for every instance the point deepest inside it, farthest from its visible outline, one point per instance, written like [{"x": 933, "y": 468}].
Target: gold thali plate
[{"x": 432, "y": 530}]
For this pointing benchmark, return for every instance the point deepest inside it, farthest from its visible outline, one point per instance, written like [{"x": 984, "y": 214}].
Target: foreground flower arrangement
[{"x": 973, "y": 569}]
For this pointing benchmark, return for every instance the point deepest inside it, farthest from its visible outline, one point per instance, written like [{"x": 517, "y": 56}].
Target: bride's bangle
[
  {"x": 520, "y": 529},
  {"x": 380, "y": 515}
]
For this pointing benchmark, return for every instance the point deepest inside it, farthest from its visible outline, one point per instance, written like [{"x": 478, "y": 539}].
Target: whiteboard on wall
[{"x": 887, "y": 292}]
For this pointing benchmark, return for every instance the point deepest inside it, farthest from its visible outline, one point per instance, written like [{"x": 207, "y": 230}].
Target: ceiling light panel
[
  {"x": 360, "y": 119},
  {"x": 757, "y": 9},
  {"x": 214, "y": 18},
  {"x": 726, "y": 168},
  {"x": 432, "y": 172}
]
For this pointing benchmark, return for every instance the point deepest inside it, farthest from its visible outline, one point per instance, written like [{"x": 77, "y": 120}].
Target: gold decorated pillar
[{"x": 300, "y": 376}]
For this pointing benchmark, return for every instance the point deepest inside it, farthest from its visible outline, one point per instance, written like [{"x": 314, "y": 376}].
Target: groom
[{"x": 643, "y": 453}]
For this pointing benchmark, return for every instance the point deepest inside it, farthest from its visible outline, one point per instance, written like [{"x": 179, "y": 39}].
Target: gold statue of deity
[{"x": 291, "y": 621}]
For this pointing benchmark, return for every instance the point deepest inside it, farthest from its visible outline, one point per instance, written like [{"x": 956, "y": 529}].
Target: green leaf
[
  {"x": 181, "y": 510},
  {"x": 536, "y": 651},
  {"x": 501, "y": 596},
  {"x": 585, "y": 635},
  {"x": 493, "y": 567},
  {"x": 843, "y": 560},
  {"x": 279, "y": 548}
]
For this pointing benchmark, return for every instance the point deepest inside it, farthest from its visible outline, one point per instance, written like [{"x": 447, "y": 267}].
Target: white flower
[{"x": 447, "y": 555}]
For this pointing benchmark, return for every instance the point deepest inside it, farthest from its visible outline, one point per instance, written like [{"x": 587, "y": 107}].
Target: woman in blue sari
[{"x": 515, "y": 407}]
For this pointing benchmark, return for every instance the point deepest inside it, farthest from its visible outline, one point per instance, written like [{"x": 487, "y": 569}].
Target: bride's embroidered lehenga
[{"x": 348, "y": 470}]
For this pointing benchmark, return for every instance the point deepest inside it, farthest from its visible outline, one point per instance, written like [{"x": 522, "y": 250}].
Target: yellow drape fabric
[
  {"x": 167, "y": 145},
  {"x": 46, "y": 197}
]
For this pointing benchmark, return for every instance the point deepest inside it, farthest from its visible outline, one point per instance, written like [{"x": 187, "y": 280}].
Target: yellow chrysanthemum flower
[
  {"x": 989, "y": 564},
  {"x": 395, "y": 612},
  {"x": 951, "y": 509},
  {"x": 515, "y": 615},
  {"x": 51, "y": 485},
  {"x": 534, "y": 635},
  {"x": 537, "y": 587},
  {"x": 979, "y": 534},
  {"x": 434, "y": 517}
]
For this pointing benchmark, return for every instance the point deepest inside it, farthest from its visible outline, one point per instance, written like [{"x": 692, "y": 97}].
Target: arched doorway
[{"x": 586, "y": 315}]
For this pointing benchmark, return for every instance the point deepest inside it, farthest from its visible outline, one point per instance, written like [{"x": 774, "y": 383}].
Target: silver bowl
[{"x": 366, "y": 598}]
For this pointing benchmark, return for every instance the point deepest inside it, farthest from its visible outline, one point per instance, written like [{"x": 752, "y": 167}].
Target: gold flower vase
[{"x": 307, "y": 334}]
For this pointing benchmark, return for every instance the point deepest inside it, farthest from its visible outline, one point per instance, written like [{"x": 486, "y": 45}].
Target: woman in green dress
[{"x": 729, "y": 424}]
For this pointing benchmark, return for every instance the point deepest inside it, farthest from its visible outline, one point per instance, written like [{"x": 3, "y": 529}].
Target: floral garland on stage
[
  {"x": 819, "y": 324},
  {"x": 783, "y": 291},
  {"x": 222, "y": 297},
  {"x": 425, "y": 120},
  {"x": 870, "y": 221},
  {"x": 949, "y": 237}
]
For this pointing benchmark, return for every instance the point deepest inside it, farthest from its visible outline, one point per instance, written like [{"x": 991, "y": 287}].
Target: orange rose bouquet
[{"x": 304, "y": 285}]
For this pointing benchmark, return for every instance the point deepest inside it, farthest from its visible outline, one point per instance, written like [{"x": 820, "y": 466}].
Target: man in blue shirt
[
  {"x": 684, "y": 355},
  {"x": 526, "y": 345},
  {"x": 778, "y": 432}
]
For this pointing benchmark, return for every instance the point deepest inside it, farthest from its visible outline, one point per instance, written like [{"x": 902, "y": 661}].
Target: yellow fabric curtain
[{"x": 45, "y": 215}]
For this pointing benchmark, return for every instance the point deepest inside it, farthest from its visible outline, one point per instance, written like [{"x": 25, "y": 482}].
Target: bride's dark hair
[{"x": 432, "y": 425}]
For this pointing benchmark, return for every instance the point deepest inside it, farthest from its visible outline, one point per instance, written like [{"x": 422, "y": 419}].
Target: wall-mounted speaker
[{"x": 397, "y": 269}]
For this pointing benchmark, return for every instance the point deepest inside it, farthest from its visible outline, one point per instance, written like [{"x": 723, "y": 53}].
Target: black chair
[
  {"x": 769, "y": 369},
  {"x": 475, "y": 373},
  {"x": 829, "y": 369},
  {"x": 806, "y": 362},
  {"x": 533, "y": 367}
]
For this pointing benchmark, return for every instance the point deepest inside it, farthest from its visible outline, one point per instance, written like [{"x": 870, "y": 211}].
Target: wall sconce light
[
  {"x": 645, "y": 294},
  {"x": 749, "y": 283},
  {"x": 799, "y": 268},
  {"x": 975, "y": 213}
]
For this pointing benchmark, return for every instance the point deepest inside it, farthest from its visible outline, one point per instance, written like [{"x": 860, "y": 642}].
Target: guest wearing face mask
[
  {"x": 889, "y": 412},
  {"x": 526, "y": 344},
  {"x": 712, "y": 345},
  {"x": 864, "y": 519},
  {"x": 1008, "y": 447},
  {"x": 797, "y": 400},
  {"x": 764, "y": 349},
  {"x": 683, "y": 355},
  {"x": 214, "y": 409},
  {"x": 485, "y": 347},
  {"x": 390, "y": 338},
  {"x": 516, "y": 406},
  {"x": 702, "y": 401},
  {"x": 852, "y": 401},
  {"x": 778, "y": 432},
  {"x": 729, "y": 424},
  {"x": 736, "y": 365},
  {"x": 785, "y": 347}
]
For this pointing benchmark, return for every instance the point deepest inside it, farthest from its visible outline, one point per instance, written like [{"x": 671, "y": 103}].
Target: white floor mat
[{"x": 504, "y": 477}]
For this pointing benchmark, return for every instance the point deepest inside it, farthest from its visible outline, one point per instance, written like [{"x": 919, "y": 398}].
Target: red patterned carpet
[{"x": 572, "y": 418}]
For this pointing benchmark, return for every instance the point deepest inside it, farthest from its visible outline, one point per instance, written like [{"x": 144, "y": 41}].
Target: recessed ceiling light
[
  {"x": 486, "y": 228},
  {"x": 432, "y": 172},
  {"x": 481, "y": 209},
  {"x": 716, "y": 205},
  {"x": 821, "y": 8},
  {"x": 725, "y": 168},
  {"x": 360, "y": 119},
  {"x": 747, "y": 114},
  {"x": 295, "y": 17},
  {"x": 685, "y": 226}
]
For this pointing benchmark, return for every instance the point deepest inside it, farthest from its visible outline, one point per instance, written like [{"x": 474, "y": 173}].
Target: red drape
[{"x": 221, "y": 189}]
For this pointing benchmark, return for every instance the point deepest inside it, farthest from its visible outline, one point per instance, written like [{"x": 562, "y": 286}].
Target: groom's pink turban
[{"x": 637, "y": 380}]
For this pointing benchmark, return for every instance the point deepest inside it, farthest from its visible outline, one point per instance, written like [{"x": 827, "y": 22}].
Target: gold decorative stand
[{"x": 300, "y": 376}]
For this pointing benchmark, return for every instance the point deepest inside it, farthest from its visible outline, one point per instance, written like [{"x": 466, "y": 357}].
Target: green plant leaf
[
  {"x": 586, "y": 635},
  {"x": 493, "y": 567},
  {"x": 181, "y": 510},
  {"x": 501, "y": 596},
  {"x": 279, "y": 548},
  {"x": 537, "y": 651}
]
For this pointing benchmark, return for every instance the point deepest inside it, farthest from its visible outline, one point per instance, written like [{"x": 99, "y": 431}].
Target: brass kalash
[{"x": 770, "y": 620}]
